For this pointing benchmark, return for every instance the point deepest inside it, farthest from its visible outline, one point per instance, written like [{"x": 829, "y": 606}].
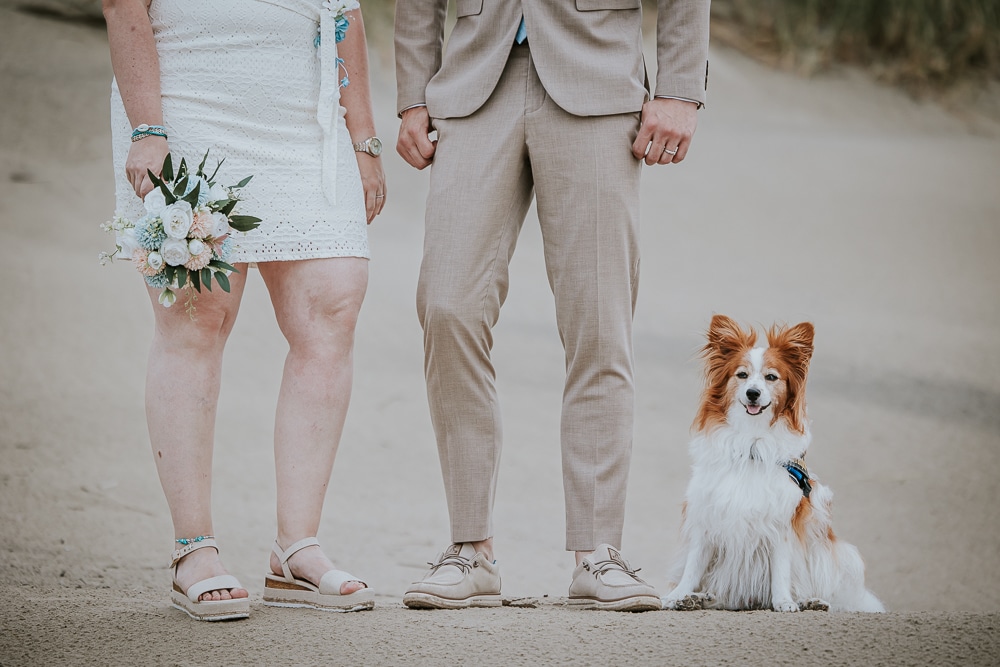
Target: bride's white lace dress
[{"x": 244, "y": 79}]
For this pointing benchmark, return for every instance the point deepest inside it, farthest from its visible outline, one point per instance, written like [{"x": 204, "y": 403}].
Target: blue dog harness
[{"x": 800, "y": 475}]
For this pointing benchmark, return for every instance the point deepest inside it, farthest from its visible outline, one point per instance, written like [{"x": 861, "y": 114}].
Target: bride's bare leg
[
  {"x": 316, "y": 303},
  {"x": 182, "y": 390}
]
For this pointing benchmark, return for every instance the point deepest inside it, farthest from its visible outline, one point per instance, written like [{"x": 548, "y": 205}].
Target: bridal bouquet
[{"x": 183, "y": 240}]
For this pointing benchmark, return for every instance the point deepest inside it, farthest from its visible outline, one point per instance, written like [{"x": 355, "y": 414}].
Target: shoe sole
[
  {"x": 428, "y": 601},
  {"x": 298, "y": 598},
  {"x": 636, "y": 604},
  {"x": 306, "y": 605},
  {"x": 215, "y": 610}
]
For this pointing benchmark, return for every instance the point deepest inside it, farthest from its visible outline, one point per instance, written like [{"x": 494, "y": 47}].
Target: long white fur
[{"x": 739, "y": 548}]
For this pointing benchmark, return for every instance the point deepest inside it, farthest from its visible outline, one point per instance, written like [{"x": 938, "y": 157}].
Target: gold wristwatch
[{"x": 371, "y": 145}]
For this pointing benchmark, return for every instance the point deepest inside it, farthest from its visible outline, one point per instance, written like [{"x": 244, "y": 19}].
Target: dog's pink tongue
[{"x": 753, "y": 409}]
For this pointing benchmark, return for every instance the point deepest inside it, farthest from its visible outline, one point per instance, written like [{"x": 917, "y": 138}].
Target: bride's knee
[
  {"x": 325, "y": 327},
  {"x": 204, "y": 329}
]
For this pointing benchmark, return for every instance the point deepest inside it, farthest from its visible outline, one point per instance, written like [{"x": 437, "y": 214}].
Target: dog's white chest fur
[{"x": 741, "y": 501}]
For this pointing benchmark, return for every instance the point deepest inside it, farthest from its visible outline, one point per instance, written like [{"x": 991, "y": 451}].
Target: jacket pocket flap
[
  {"x": 468, "y": 8},
  {"x": 595, "y": 5}
]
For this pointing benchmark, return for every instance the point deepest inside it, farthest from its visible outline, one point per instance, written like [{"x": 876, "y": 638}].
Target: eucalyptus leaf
[
  {"x": 180, "y": 186},
  {"x": 168, "y": 196},
  {"x": 219, "y": 264},
  {"x": 168, "y": 168},
  {"x": 192, "y": 197},
  {"x": 206, "y": 278},
  {"x": 182, "y": 277},
  {"x": 211, "y": 179},
  {"x": 244, "y": 223},
  {"x": 195, "y": 279},
  {"x": 223, "y": 281}
]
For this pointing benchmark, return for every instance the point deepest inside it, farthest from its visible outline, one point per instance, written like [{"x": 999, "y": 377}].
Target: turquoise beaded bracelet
[{"x": 143, "y": 131}]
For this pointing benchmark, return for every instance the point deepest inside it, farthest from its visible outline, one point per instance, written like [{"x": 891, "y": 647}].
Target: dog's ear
[
  {"x": 794, "y": 347},
  {"x": 795, "y": 344},
  {"x": 727, "y": 343},
  {"x": 725, "y": 336}
]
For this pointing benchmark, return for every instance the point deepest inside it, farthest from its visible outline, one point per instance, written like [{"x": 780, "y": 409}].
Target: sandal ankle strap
[
  {"x": 188, "y": 548},
  {"x": 284, "y": 555}
]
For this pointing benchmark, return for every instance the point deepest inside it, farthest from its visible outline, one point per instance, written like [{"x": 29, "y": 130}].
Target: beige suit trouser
[{"x": 586, "y": 181}]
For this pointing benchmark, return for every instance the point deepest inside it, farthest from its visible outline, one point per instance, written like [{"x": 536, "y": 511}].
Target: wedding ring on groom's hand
[{"x": 669, "y": 152}]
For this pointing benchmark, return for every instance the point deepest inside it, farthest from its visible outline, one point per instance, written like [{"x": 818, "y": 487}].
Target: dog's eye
[
  {"x": 770, "y": 377},
  {"x": 743, "y": 375}
]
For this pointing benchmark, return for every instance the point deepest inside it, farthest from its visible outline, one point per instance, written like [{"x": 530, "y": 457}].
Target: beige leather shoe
[
  {"x": 459, "y": 578},
  {"x": 604, "y": 580}
]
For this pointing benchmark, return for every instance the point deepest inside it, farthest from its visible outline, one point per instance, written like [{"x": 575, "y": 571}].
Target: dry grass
[{"x": 921, "y": 44}]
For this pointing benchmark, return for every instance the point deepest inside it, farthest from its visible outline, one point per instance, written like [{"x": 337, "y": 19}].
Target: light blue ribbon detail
[
  {"x": 522, "y": 32},
  {"x": 328, "y": 108}
]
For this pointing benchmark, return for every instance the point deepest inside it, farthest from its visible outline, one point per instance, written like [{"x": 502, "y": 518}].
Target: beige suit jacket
[{"x": 588, "y": 53}]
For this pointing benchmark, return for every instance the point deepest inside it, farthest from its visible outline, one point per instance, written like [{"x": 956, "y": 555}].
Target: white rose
[
  {"x": 220, "y": 225},
  {"x": 196, "y": 247},
  {"x": 218, "y": 193},
  {"x": 155, "y": 260},
  {"x": 175, "y": 251},
  {"x": 177, "y": 219},
  {"x": 154, "y": 201},
  {"x": 127, "y": 241}
]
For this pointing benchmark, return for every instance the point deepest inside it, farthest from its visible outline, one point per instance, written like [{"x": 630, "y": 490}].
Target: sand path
[{"x": 832, "y": 200}]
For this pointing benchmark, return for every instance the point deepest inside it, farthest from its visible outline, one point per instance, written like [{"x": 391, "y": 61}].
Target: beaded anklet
[{"x": 184, "y": 541}]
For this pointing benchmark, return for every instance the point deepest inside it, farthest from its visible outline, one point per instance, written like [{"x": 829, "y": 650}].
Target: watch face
[{"x": 375, "y": 146}]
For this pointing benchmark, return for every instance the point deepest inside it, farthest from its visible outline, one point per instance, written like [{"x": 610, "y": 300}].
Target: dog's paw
[
  {"x": 691, "y": 602},
  {"x": 785, "y": 606},
  {"x": 814, "y": 604}
]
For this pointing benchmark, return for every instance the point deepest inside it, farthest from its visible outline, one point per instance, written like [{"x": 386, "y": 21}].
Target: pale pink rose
[{"x": 202, "y": 224}]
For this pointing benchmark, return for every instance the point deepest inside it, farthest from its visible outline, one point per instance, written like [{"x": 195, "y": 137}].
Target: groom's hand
[
  {"x": 665, "y": 131},
  {"x": 414, "y": 144}
]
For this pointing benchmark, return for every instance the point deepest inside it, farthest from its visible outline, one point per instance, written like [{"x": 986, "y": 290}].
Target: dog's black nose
[{"x": 753, "y": 395}]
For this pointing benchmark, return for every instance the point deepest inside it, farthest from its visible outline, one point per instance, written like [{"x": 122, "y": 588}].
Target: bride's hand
[
  {"x": 145, "y": 154},
  {"x": 373, "y": 181}
]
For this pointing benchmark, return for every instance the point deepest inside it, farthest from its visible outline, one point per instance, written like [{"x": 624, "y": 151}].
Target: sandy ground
[{"x": 831, "y": 199}]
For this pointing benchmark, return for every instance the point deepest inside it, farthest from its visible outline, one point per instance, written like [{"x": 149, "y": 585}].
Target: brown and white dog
[{"x": 757, "y": 530}]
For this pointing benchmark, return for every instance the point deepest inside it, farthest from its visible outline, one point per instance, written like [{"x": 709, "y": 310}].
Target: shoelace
[
  {"x": 461, "y": 562},
  {"x": 602, "y": 566}
]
